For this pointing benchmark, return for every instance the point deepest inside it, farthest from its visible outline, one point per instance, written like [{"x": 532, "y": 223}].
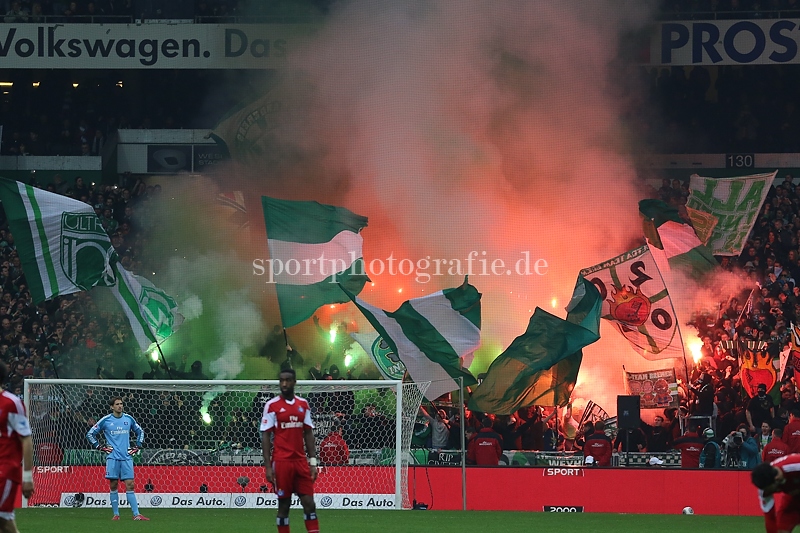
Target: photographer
[{"x": 741, "y": 450}]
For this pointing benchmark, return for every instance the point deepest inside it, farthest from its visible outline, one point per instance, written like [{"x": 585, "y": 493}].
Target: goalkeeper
[{"x": 116, "y": 428}]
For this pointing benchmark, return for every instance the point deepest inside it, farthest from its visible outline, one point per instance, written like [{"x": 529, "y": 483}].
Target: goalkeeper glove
[
  {"x": 106, "y": 449},
  {"x": 133, "y": 450}
]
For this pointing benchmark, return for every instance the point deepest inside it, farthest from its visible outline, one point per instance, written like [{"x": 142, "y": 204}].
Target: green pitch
[{"x": 260, "y": 521}]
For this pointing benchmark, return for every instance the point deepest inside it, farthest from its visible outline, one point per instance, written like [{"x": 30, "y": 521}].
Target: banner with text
[
  {"x": 149, "y": 46},
  {"x": 657, "y": 388},
  {"x": 228, "y": 501}
]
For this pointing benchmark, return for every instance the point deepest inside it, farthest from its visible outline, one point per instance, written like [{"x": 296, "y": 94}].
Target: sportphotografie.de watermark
[{"x": 423, "y": 269}]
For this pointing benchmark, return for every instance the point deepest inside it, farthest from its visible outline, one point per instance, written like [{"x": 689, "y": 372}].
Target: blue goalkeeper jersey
[{"x": 117, "y": 433}]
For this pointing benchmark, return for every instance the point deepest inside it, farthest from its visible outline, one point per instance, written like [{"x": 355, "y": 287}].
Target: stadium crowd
[{"x": 69, "y": 337}]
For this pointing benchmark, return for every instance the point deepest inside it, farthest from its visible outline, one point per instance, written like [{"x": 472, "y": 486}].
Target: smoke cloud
[{"x": 486, "y": 128}]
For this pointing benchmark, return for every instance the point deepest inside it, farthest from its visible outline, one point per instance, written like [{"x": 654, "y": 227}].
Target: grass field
[{"x": 343, "y": 521}]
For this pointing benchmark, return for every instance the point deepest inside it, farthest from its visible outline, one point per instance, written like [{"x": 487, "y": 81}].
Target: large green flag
[
  {"x": 540, "y": 367},
  {"x": 735, "y": 202},
  {"x": 315, "y": 250},
  {"x": 152, "y": 313},
  {"x": 61, "y": 242},
  {"x": 64, "y": 249},
  {"x": 434, "y": 336}
]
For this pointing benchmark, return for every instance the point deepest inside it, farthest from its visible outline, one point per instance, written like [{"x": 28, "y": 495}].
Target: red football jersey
[
  {"x": 790, "y": 464},
  {"x": 13, "y": 424},
  {"x": 287, "y": 419},
  {"x": 774, "y": 449}
]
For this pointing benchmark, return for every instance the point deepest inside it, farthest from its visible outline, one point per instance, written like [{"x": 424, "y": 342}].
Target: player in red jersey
[
  {"x": 285, "y": 428},
  {"x": 779, "y": 491},
  {"x": 16, "y": 454}
]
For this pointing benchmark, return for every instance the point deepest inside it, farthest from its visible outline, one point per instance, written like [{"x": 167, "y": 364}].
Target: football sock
[
  {"x": 312, "y": 524},
  {"x": 115, "y": 501},
  {"x": 283, "y": 524},
  {"x": 132, "y": 501}
]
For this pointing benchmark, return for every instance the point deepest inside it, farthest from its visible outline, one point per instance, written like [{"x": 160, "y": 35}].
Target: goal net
[{"x": 202, "y": 445}]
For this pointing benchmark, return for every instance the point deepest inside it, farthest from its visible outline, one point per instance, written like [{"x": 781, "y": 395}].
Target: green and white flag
[
  {"x": 152, "y": 313},
  {"x": 541, "y": 366},
  {"x": 675, "y": 240},
  {"x": 61, "y": 242},
  {"x": 735, "y": 202},
  {"x": 315, "y": 252},
  {"x": 385, "y": 359},
  {"x": 636, "y": 301},
  {"x": 435, "y": 336}
]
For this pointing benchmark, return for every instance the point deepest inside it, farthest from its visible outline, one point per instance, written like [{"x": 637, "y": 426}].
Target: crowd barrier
[
  {"x": 578, "y": 489},
  {"x": 227, "y": 456},
  {"x": 654, "y": 490}
]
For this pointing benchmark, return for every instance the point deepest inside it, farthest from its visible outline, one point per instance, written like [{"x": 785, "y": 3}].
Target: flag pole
[
  {"x": 286, "y": 345},
  {"x": 280, "y": 316},
  {"x": 463, "y": 446},
  {"x": 744, "y": 308},
  {"x": 677, "y": 324},
  {"x": 164, "y": 360}
]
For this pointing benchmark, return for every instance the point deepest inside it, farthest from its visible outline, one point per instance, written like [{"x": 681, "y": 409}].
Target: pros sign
[{"x": 731, "y": 42}]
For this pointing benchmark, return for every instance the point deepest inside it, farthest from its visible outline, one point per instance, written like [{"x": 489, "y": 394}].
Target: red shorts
[
  {"x": 8, "y": 495},
  {"x": 292, "y": 477},
  {"x": 785, "y": 515},
  {"x": 10, "y": 476}
]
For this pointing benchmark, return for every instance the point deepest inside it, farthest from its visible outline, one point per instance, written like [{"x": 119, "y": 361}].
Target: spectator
[
  {"x": 776, "y": 447},
  {"x": 659, "y": 439},
  {"x": 98, "y": 142},
  {"x": 16, "y": 14},
  {"x": 333, "y": 449},
  {"x": 690, "y": 445},
  {"x": 485, "y": 448},
  {"x": 711, "y": 456},
  {"x": 37, "y": 17},
  {"x": 764, "y": 436},
  {"x": 439, "y": 428},
  {"x": 598, "y": 445},
  {"x": 630, "y": 440},
  {"x": 760, "y": 409},
  {"x": 791, "y": 433}
]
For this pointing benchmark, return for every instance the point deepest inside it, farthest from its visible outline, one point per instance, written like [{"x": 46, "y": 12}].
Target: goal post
[{"x": 202, "y": 441}]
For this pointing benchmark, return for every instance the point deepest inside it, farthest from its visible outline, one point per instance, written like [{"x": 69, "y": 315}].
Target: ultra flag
[
  {"x": 152, "y": 313},
  {"x": 735, "y": 202},
  {"x": 675, "y": 239},
  {"x": 315, "y": 253},
  {"x": 541, "y": 366},
  {"x": 61, "y": 242},
  {"x": 435, "y": 336},
  {"x": 757, "y": 367},
  {"x": 636, "y": 302},
  {"x": 385, "y": 359}
]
